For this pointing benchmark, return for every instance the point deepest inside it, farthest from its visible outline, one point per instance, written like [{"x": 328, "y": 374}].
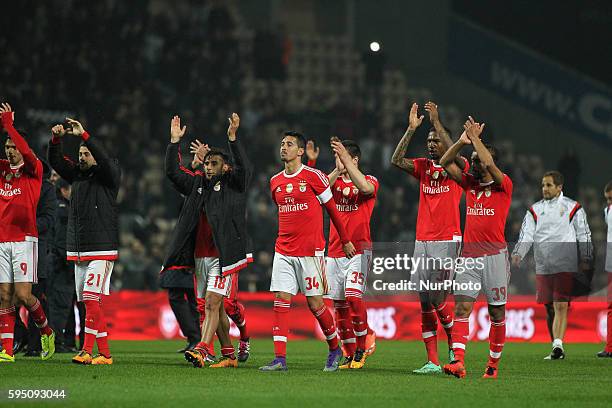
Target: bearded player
[
  {"x": 299, "y": 192},
  {"x": 485, "y": 254},
  {"x": 438, "y": 233}
]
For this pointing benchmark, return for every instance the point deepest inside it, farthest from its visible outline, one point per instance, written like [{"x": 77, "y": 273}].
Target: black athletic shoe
[
  {"x": 557, "y": 354},
  {"x": 604, "y": 354}
]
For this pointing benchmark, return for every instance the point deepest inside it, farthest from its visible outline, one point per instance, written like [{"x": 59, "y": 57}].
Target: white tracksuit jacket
[{"x": 554, "y": 227}]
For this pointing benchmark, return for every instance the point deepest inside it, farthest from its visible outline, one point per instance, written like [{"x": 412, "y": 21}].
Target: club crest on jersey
[
  {"x": 355, "y": 190},
  {"x": 278, "y": 189},
  {"x": 486, "y": 192},
  {"x": 436, "y": 174},
  {"x": 346, "y": 191},
  {"x": 302, "y": 186},
  {"x": 9, "y": 176},
  {"x": 289, "y": 188},
  {"x": 199, "y": 190},
  {"x": 217, "y": 186}
]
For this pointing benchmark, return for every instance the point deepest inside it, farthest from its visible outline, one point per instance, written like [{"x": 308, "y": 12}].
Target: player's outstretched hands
[
  {"x": 472, "y": 128},
  {"x": 432, "y": 109},
  {"x": 76, "y": 127},
  {"x": 234, "y": 124},
  {"x": 464, "y": 138},
  {"x": 340, "y": 150},
  {"x": 414, "y": 120},
  {"x": 58, "y": 130},
  {"x": 311, "y": 152},
  {"x": 199, "y": 150},
  {"x": 7, "y": 113},
  {"x": 196, "y": 162},
  {"x": 176, "y": 132},
  {"x": 349, "y": 249},
  {"x": 516, "y": 261}
]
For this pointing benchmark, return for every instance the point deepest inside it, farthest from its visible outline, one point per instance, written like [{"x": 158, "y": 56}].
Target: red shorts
[{"x": 554, "y": 288}]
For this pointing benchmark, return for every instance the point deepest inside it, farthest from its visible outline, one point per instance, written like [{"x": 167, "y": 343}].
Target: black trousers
[
  {"x": 70, "y": 328},
  {"x": 60, "y": 299},
  {"x": 183, "y": 304}
]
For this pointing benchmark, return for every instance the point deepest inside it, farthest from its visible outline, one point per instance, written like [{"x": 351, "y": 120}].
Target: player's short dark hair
[
  {"x": 433, "y": 129},
  {"x": 352, "y": 148},
  {"x": 62, "y": 183},
  {"x": 215, "y": 151},
  {"x": 556, "y": 176},
  {"x": 608, "y": 187},
  {"x": 301, "y": 140}
]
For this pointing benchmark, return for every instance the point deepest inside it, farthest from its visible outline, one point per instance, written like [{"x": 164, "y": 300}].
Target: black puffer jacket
[
  {"x": 224, "y": 201},
  {"x": 45, "y": 222},
  {"x": 93, "y": 230}
]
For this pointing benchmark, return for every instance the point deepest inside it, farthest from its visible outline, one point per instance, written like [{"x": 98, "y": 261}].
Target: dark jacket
[
  {"x": 45, "y": 222},
  {"x": 223, "y": 198},
  {"x": 93, "y": 230},
  {"x": 59, "y": 241}
]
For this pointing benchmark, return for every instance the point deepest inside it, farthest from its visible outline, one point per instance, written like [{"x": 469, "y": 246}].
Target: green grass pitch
[{"x": 152, "y": 374}]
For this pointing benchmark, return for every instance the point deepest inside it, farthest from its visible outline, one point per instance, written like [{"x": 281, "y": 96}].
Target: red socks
[
  {"x": 460, "y": 334},
  {"x": 326, "y": 322},
  {"x": 228, "y": 352},
  {"x": 7, "y": 328},
  {"x": 609, "y": 336},
  {"x": 345, "y": 326},
  {"x": 40, "y": 320},
  {"x": 102, "y": 335},
  {"x": 235, "y": 311},
  {"x": 360, "y": 316},
  {"x": 280, "y": 330},
  {"x": 429, "y": 327},
  {"x": 497, "y": 337},
  {"x": 92, "y": 316},
  {"x": 445, "y": 315}
]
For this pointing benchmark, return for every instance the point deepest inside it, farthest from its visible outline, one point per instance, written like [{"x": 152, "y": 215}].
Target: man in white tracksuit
[
  {"x": 555, "y": 225},
  {"x": 607, "y": 352}
]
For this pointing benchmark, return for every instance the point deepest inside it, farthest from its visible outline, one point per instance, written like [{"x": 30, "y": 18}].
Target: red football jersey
[
  {"x": 19, "y": 191},
  {"x": 205, "y": 245},
  {"x": 438, "y": 217},
  {"x": 486, "y": 213},
  {"x": 355, "y": 211},
  {"x": 300, "y": 217}
]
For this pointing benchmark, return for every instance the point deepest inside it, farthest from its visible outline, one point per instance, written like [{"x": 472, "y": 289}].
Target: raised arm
[
  {"x": 30, "y": 161},
  {"x": 434, "y": 118},
  {"x": 242, "y": 170},
  {"x": 337, "y": 171},
  {"x": 399, "y": 156},
  {"x": 474, "y": 130},
  {"x": 312, "y": 153},
  {"x": 525, "y": 240},
  {"x": 357, "y": 177},
  {"x": 107, "y": 169},
  {"x": 181, "y": 178},
  {"x": 448, "y": 160},
  {"x": 65, "y": 167}
]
